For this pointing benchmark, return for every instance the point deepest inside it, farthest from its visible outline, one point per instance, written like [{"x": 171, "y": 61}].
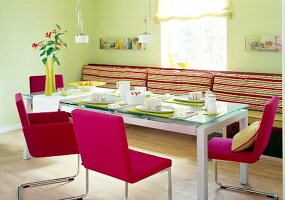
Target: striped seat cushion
[
  {"x": 252, "y": 89},
  {"x": 178, "y": 81},
  {"x": 112, "y": 74}
]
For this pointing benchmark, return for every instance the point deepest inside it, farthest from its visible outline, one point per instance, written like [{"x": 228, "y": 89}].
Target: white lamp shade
[
  {"x": 81, "y": 38},
  {"x": 145, "y": 38}
]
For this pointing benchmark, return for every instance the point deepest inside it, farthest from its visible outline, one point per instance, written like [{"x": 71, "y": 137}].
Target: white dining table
[{"x": 201, "y": 130}]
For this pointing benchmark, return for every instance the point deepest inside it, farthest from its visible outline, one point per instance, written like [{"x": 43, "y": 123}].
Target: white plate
[
  {"x": 101, "y": 101},
  {"x": 163, "y": 109},
  {"x": 186, "y": 98},
  {"x": 117, "y": 93}
]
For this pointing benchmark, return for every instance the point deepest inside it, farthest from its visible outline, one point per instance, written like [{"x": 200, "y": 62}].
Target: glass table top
[{"x": 170, "y": 110}]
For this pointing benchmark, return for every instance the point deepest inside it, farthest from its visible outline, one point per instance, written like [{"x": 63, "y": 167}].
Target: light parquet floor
[{"x": 265, "y": 174}]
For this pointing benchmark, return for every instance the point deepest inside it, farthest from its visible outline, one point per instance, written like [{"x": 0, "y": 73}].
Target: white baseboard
[{"x": 13, "y": 127}]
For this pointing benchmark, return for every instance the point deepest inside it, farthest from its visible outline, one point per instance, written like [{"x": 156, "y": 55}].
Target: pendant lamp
[
  {"x": 146, "y": 37},
  {"x": 80, "y": 38}
]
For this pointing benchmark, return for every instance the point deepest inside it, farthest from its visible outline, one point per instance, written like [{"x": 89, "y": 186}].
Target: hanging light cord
[{"x": 79, "y": 17}]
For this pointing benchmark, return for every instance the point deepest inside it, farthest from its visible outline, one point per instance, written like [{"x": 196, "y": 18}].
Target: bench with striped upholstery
[
  {"x": 254, "y": 89},
  {"x": 111, "y": 74},
  {"x": 249, "y": 88},
  {"x": 175, "y": 81}
]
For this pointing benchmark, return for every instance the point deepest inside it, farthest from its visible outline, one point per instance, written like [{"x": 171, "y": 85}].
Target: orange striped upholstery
[
  {"x": 112, "y": 74},
  {"x": 178, "y": 81},
  {"x": 252, "y": 89}
]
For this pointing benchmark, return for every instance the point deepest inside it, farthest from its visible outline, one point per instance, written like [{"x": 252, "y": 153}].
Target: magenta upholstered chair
[
  {"x": 220, "y": 148},
  {"x": 37, "y": 83},
  {"x": 47, "y": 134},
  {"x": 103, "y": 147}
]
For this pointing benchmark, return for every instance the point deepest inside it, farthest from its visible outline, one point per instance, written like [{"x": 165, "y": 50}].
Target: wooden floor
[{"x": 265, "y": 174}]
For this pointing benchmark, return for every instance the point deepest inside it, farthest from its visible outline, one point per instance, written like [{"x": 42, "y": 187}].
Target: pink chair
[
  {"x": 103, "y": 147},
  {"x": 47, "y": 134},
  {"x": 37, "y": 83},
  {"x": 220, "y": 148}
]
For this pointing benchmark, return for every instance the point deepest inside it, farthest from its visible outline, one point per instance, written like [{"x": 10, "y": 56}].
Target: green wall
[
  {"x": 254, "y": 17},
  {"x": 26, "y": 21},
  {"x": 117, "y": 18}
]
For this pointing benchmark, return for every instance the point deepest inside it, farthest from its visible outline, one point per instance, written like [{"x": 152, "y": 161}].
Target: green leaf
[
  {"x": 56, "y": 49},
  {"x": 56, "y": 37},
  {"x": 58, "y": 26},
  {"x": 56, "y": 60},
  {"x": 43, "y": 47},
  {"x": 64, "y": 44},
  {"x": 49, "y": 51},
  {"x": 44, "y": 60},
  {"x": 43, "y": 53},
  {"x": 50, "y": 42}
]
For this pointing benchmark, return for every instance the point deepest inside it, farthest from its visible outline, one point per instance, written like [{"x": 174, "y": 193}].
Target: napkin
[{"x": 184, "y": 114}]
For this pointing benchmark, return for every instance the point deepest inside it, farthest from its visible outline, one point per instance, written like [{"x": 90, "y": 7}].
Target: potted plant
[{"x": 49, "y": 48}]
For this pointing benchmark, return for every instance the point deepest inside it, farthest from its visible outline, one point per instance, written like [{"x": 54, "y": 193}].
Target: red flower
[
  {"x": 48, "y": 34},
  {"x": 35, "y": 45}
]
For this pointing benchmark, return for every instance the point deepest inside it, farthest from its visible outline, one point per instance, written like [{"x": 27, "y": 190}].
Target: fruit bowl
[{"x": 86, "y": 86}]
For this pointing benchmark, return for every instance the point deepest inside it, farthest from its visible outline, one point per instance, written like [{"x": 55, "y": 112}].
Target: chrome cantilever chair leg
[
  {"x": 48, "y": 182},
  {"x": 86, "y": 189},
  {"x": 126, "y": 191},
  {"x": 169, "y": 186},
  {"x": 241, "y": 189}
]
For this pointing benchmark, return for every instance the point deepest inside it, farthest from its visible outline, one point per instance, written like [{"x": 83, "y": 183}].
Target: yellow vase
[
  {"x": 52, "y": 76},
  {"x": 48, "y": 85}
]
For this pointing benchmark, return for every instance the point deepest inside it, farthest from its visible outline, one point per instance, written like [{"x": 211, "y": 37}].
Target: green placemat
[
  {"x": 134, "y": 110},
  {"x": 184, "y": 102},
  {"x": 91, "y": 104}
]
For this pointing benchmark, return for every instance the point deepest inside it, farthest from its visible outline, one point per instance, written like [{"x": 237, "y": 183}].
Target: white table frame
[{"x": 201, "y": 131}]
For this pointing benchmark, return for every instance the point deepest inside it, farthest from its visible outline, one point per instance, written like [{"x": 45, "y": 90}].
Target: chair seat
[
  {"x": 145, "y": 165},
  {"x": 220, "y": 149}
]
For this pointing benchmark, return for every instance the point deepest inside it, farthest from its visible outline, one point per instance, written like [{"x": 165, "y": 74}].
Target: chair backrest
[
  {"x": 37, "y": 83},
  {"x": 265, "y": 128},
  {"x": 102, "y": 143},
  {"x": 22, "y": 110}
]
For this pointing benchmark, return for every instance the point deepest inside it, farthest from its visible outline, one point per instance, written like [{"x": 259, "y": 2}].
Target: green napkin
[
  {"x": 134, "y": 110},
  {"x": 184, "y": 102},
  {"x": 91, "y": 104}
]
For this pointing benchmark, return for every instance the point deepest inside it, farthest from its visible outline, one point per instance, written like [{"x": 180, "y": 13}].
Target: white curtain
[{"x": 191, "y": 9}]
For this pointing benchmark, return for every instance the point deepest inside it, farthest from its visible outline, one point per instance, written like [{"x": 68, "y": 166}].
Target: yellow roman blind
[{"x": 191, "y": 9}]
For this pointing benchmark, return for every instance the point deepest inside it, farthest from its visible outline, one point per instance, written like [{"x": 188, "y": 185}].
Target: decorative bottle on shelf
[{"x": 212, "y": 104}]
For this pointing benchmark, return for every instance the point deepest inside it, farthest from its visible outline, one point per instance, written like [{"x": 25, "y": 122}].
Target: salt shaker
[
  {"x": 212, "y": 106},
  {"x": 206, "y": 97}
]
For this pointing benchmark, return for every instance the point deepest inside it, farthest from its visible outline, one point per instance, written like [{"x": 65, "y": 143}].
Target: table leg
[
  {"x": 202, "y": 164},
  {"x": 243, "y": 166}
]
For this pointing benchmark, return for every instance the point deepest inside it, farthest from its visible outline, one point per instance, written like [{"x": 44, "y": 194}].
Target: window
[
  {"x": 194, "y": 32},
  {"x": 201, "y": 43}
]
